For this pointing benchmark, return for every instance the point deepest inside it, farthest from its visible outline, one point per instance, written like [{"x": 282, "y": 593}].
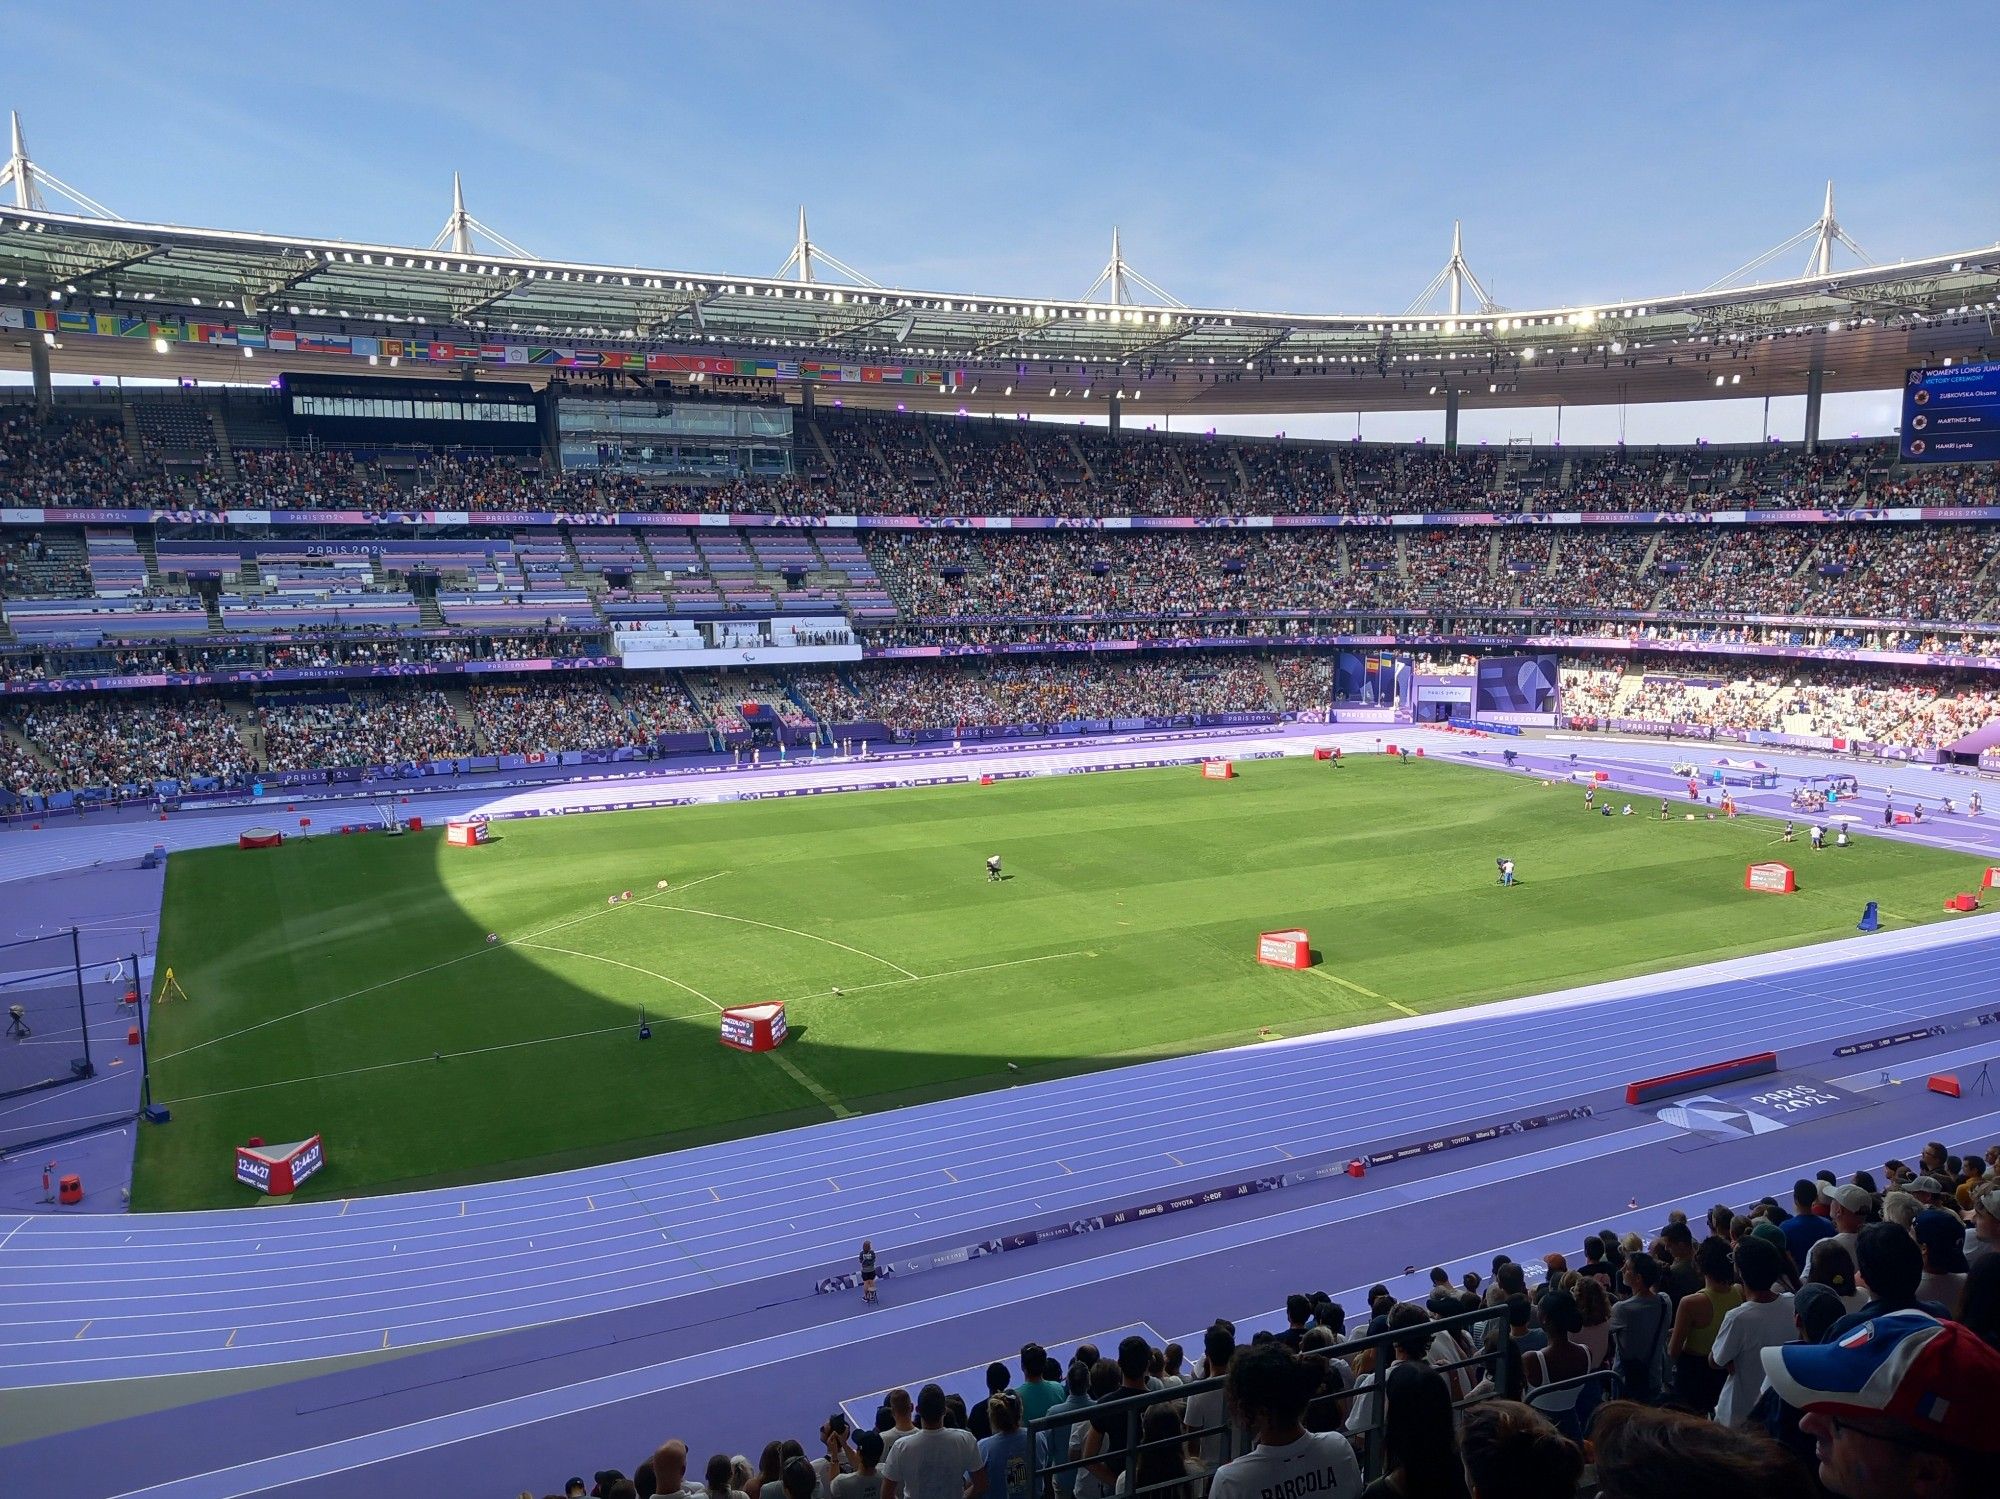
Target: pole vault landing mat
[{"x": 1738, "y": 1113}]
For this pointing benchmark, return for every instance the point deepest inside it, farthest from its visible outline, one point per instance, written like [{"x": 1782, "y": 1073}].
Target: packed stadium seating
[{"x": 80, "y": 601}]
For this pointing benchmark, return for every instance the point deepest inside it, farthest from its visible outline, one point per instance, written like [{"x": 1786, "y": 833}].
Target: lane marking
[
  {"x": 1334, "y": 978},
  {"x": 809, "y": 936},
  {"x": 620, "y": 963},
  {"x": 475, "y": 1051},
  {"x": 541, "y": 1407},
  {"x": 949, "y": 973},
  {"x": 82, "y": 1330},
  {"x": 433, "y": 968},
  {"x": 838, "y": 1109}
]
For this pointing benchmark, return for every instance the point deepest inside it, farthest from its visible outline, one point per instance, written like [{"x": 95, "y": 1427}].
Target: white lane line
[
  {"x": 414, "y": 1438},
  {"x": 949, "y": 973},
  {"x": 433, "y": 968},
  {"x": 809, "y": 936},
  {"x": 1227, "y": 1080},
  {"x": 617, "y": 963},
  {"x": 434, "y": 1059}
]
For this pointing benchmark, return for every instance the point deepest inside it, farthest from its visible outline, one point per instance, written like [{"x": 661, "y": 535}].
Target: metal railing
[{"x": 1500, "y": 1365}]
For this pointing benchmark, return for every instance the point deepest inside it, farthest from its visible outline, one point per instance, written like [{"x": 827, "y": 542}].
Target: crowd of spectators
[
  {"x": 1842, "y": 1342},
  {"x": 131, "y": 738},
  {"x": 948, "y": 695},
  {"x": 113, "y": 738},
  {"x": 546, "y": 717},
  {"x": 381, "y": 726},
  {"x": 1595, "y": 569},
  {"x": 662, "y": 704},
  {"x": 1000, "y": 575},
  {"x": 884, "y": 463}
]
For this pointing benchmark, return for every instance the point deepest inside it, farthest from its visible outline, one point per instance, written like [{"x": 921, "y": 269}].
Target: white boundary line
[
  {"x": 571, "y": 952},
  {"x": 420, "y": 972},
  {"x": 809, "y": 936}
]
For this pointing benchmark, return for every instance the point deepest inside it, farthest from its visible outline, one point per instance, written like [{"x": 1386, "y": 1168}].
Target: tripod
[
  {"x": 1982, "y": 1083},
  {"x": 17, "y": 1021}
]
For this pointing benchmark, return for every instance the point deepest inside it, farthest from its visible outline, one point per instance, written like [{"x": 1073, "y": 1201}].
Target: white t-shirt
[
  {"x": 1319, "y": 1465},
  {"x": 932, "y": 1464},
  {"x": 1210, "y": 1408},
  {"x": 1746, "y": 1331}
]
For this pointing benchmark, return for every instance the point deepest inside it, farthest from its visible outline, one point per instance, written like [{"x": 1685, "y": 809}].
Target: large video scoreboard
[{"x": 1952, "y": 415}]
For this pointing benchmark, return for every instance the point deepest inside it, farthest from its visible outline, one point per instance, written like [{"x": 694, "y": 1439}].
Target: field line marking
[
  {"x": 433, "y": 968},
  {"x": 619, "y": 963},
  {"x": 14, "y": 1230},
  {"x": 797, "y": 1075},
  {"x": 82, "y": 1330},
  {"x": 232, "y": 1337},
  {"x": 1334, "y": 978},
  {"x": 315, "y": 1077},
  {"x": 949, "y": 973},
  {"x": 809, "y": 936}
]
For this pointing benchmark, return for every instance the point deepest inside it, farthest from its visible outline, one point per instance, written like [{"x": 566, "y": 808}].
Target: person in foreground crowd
[
  {"x": 1641, "y": 1452},
  {"x": 1901, "y": 1405},
  {"x": 933, "y": 1462},
  {"x": 1511, "y": 1452},
  {"x": 1267, "y": 1391}
]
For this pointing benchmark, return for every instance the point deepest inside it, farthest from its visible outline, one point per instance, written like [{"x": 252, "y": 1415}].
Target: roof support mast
[
  {"x": 805, "y": 252},
  {"x": 456, "y": 236},
  {"x": 28, "y": 180},
  {"x": 1117, "y": 279},
  {"x": 1820, "y": 236},
  {"x": 1453, "y": 280}
]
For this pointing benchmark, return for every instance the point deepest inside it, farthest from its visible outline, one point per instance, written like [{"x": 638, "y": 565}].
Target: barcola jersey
[{"x": 1319, "y": 1465}]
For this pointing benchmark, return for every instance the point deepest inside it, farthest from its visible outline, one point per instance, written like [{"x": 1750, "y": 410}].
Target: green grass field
[{"x": 324, "y": 977}]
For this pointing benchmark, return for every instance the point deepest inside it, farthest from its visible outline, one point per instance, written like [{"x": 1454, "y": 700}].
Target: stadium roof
[{"x": 1861, "y": 326}]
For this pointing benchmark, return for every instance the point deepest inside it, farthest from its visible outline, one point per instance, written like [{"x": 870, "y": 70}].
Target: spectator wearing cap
[
  {"x": 1983, "y": 1238},
  {"x": 865, "y": 1482},
  {"x": 1900, "y": 1208},
  {"x": 1891, "y": 1266},
  {"x": 1899, "y": 1405},
  {"x": 1804, "y": 1228},
  {"x": 1941, "y": 1237},
  {"x": 1929, "y": 1189},
  {"x": 1847, "y": 1207}
]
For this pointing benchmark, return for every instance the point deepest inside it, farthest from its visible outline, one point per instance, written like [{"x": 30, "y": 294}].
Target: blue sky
[{"x": 1306, "y": 156}]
